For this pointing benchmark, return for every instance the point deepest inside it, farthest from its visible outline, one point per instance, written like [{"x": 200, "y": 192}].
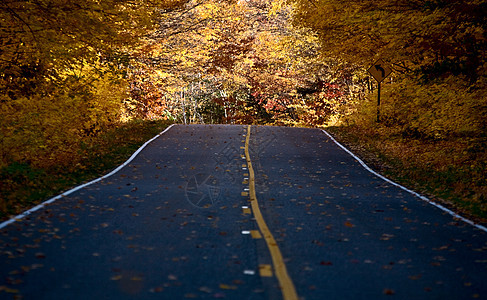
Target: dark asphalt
[{"x": 169, "y": 226}]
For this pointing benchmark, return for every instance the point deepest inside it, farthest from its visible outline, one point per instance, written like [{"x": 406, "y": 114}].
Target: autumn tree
[
  {"x": 437, "y": 49},
  {"x": 233, "y": 62},
  {"x": 62, "y": 72}
]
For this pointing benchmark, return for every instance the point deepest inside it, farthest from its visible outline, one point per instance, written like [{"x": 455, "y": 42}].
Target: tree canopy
[
  {"x": 437, "y": 49},
  {"x": 70, "y": 69},
  {"x": 63, "y": 71}
]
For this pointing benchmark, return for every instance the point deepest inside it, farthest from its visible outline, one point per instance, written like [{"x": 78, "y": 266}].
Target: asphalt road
[{"x": 213, "y": 212}]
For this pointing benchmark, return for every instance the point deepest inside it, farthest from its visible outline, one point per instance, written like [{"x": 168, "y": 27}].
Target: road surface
[{"x": 239, "y": 212}]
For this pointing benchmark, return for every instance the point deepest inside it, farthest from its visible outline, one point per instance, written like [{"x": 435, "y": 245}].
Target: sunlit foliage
[
  {"x": 62, "y": 72},
  {"x": 437, "y": 49},
  {"x": 234, "y": 62}
]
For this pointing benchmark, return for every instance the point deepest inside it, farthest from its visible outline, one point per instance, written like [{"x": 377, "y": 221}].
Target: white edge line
[
  {"x": 455, "y": 215},
  {"x": 43, "y": 204}
]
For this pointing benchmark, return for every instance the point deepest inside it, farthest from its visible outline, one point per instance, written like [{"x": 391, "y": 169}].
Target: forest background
[{"x": 83, "y": 84}]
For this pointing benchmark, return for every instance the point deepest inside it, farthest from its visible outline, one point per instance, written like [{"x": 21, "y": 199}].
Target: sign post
[{"x": 379, "y": 70}]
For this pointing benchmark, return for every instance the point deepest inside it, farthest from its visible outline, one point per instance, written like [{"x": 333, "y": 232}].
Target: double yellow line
[{"x": 287, "y": 286}]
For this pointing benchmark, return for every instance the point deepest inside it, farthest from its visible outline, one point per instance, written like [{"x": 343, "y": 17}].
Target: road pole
[
  {"x": 379, "y": 70},
  {"x": 378, "y": 103}
]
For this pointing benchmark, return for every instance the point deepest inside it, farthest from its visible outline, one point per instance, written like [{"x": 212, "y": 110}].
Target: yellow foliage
[
  {"x": 46, "y": 129},
  {"x": 437, "y": 110}
]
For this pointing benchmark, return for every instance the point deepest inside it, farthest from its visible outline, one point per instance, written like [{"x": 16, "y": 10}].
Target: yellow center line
[{"x": 287, "y": 286}]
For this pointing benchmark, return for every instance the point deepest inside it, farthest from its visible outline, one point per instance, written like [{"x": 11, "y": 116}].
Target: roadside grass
[
  {"x": 23, "y": 186},
  {"x": 451, "y": 171}
]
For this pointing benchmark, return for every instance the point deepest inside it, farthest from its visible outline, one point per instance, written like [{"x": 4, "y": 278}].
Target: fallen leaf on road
[
  {"x": 116, "y": 277},
  {"x": 227, "y": 287},
  {"x": 388, "y": 292},
  {"x": 156, "y": 289},
  {"x": 8, "y": 290}
]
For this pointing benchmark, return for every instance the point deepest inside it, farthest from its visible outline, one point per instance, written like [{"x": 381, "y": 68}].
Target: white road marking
[
  {"x": 43, "y": 204},
  {"x": 455, "y": 215}
]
